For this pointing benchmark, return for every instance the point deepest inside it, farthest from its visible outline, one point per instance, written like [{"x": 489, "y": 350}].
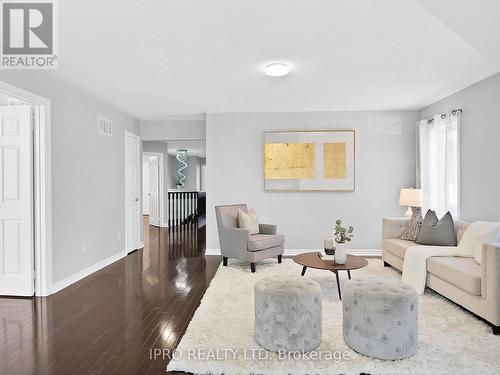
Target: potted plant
[{"x": 342, "y": 235}]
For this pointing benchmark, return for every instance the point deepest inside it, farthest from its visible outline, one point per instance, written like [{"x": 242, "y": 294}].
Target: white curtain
[{"x": 439, "y": 163}]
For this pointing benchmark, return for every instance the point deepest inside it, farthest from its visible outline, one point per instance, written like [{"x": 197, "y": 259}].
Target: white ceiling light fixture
[{"x": 277, "y": 69}]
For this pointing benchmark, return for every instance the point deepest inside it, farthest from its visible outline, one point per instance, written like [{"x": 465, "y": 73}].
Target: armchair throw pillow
[{"x": 248, "y": 221}]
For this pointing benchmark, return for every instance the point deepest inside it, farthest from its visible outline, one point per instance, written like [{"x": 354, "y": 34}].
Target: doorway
[
  {"x": 25, "y": 204},
  {"x": 153, "y": 188}
]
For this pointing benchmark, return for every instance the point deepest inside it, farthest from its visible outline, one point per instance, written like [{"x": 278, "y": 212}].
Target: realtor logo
[{"x": 29, "y": 39}]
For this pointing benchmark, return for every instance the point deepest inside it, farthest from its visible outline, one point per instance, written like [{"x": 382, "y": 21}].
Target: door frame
[
  {"x": 161, "y": 189},
  {"x": 140, "y": 241},
  {"x": 42, "y": 185}
]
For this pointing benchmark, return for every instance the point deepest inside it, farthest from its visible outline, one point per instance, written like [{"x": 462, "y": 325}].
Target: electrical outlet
[
  {"x": 119, "y": 235},
  {"x": 84, "y": 247}
]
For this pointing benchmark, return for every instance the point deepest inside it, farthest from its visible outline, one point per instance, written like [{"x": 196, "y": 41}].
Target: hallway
[{"x": 107, "y": 322}]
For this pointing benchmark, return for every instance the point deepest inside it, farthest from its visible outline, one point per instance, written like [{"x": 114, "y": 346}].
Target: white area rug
[{"x": 451, "y": 340}]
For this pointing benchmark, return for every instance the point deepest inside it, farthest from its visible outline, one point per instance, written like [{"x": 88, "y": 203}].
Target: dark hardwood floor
[{"x": 108, "y": 322}]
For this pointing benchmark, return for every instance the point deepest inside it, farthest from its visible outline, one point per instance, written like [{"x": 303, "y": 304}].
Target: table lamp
[{"x": 410, "y": 198}]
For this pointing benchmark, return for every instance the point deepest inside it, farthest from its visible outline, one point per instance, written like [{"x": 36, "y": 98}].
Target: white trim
[
  {"x": 161, "y": 192},
  {"x": 42, "y": 184},
  {"x": 140, "y": 245},
  {"x": 139, "y": 189},
  {"x": 293, "y": 252},
  {"x": 67, "y": 281},
  {"x": 459, "y": 162}
]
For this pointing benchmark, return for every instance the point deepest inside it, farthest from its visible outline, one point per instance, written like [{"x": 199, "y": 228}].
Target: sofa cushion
[
  {"x": 437, "y": 232},
  {"x": 397, "y": 247},
  {"x": 464, "y": 273},
  {"x": 259, "y": 242}
]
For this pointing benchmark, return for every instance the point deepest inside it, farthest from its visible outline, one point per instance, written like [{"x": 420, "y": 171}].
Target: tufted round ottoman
[
  {"x": 287, "y": 313},
  {"x": 380, "y": 318}
]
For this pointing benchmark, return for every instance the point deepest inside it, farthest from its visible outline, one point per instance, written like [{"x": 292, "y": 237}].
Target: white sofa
[{"x": 473, "y": 286}]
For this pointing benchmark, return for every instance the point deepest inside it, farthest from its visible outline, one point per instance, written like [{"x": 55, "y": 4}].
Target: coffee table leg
[
  {"x": 303, "y": 271},
  {"x": 349, "y": 274},
  {"x": 338, "y": 283}
]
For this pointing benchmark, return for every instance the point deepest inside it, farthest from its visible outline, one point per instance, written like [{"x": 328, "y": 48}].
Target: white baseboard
[
  {"x": 292, "y": 252},
  {"x": 67, "y": 281},
  {"x": 140, "y": 245},
  {"x": 212, "y": 251}
]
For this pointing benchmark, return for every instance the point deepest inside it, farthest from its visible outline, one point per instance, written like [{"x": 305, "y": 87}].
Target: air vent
[{"x": 104, "y": 126}]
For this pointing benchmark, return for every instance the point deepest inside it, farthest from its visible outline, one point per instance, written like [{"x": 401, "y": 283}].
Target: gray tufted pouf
[
  {"x": 287, "y": 313},
  {"x": 380, "y": 318}
]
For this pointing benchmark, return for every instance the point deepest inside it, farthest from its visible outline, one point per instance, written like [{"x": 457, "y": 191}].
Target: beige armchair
[{"x": 239, "y": 244}]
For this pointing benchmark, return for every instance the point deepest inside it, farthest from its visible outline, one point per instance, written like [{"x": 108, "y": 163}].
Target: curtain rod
[{"x": 453, "y": 112}]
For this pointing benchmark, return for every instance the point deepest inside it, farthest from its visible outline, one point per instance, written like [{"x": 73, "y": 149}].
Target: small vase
[
  {"x": 329, "y": 247},
  {"x": 340, "y": 253}
]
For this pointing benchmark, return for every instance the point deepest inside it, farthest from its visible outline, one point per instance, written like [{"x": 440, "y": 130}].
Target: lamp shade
[{"x": 410, "y": 197}]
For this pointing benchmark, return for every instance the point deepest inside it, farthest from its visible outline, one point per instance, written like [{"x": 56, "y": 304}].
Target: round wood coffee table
[{"x": 313, "y": 260}]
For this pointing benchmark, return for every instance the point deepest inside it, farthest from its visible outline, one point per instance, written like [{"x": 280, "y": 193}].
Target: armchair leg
[
  {"x": 224, "y": 261},
  {"x": 252, "y": 267},
  {"x": 279, "y": 258},
  {"x": 496, "y": 330},
  {"x": 386, "y": 264}
]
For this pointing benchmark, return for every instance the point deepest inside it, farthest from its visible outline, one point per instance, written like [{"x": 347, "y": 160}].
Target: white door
[
  {"x": 203, "y": 183},
  {"x": 145, "y": 186},
  {"x": 132, "y": 191},
  {"x": 154, "y": 185},
  {"x": 16, "y": 201}
]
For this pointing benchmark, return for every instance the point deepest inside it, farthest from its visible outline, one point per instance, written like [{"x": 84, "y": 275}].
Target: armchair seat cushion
[{"x": 257, "y": 242}]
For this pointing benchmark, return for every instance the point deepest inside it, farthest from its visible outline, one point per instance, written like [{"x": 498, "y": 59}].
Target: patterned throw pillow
[{"x": 412, "y": 228}]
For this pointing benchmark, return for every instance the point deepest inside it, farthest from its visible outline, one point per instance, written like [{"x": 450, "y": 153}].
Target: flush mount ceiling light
[{"x": 277, "y": 69}]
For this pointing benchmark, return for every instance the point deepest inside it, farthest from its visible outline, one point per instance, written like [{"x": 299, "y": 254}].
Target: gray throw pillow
[
  {"x": 412, "y": 228},
  {"x": 437, "y": 232}
]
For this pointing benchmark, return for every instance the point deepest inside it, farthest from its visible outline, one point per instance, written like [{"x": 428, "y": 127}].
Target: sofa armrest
[
  {"x": 234, "y": 242},
  {"x": 490, "y": 279},
  {"x": 393, "y": 227},
  {"x": 267, "y": 229}
]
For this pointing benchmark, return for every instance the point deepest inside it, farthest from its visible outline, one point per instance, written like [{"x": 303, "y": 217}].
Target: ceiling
[
  {"x": 194, "y": 148},
  {"x": 157, "y": 58}
]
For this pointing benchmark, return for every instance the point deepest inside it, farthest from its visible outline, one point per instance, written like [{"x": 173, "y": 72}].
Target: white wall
[
  {"x": 192, "y": 173},
  {"x": 172, "y": 130},
  {"x": 152, "y": 146},
  {"x": 172, "y": 162},
  {"x": 480, "y": 146},
  {"x": 88, "y": 173},
  {"x": 385, "y": 162}
]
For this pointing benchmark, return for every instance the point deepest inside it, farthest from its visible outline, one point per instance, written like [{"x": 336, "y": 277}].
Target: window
[{"x": 439, "y": 163}]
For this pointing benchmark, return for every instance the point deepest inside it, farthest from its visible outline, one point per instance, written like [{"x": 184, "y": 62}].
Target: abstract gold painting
[
  {"x": 320, "y": 160},
  {"x": 289, "y": 160},
  {"x": 334, "y": 160}
]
